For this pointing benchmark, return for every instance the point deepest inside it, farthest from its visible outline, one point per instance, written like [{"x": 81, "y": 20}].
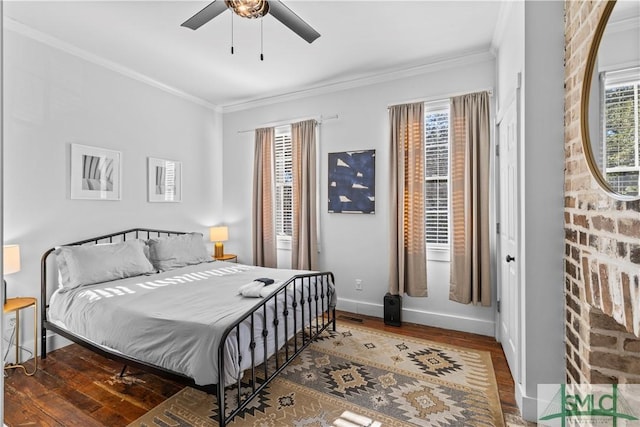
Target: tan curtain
[
  {"x": 470, "y": 143},
  {"x": 304, "y": 242},
  {"x": 408, "y": 268},
  {"x": 264, "y": 229}
]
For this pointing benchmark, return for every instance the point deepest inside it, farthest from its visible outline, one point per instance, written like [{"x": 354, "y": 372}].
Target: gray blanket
[{"x": 173, "y": 319}]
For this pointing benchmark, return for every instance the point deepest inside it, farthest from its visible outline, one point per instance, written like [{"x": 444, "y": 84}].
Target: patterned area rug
[{"x": 360, "y": 372}]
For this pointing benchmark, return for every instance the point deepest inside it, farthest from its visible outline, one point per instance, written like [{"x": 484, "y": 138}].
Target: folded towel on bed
[
  {"x": 251, "y": 289},
  {"x": 255, "y": 289}
]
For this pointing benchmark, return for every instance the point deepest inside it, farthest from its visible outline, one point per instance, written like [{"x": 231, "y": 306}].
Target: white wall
[
  {"x": 543, "y": 175},
  {"x": 533, "y": 44},
  {"x": 2, "y": 345},
  {"x": 53, "y": 99},
  {"x": 355, "y": 246},
  {"x": 510, "y": 55}
]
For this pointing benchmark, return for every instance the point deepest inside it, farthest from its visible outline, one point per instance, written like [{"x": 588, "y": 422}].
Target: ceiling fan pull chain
[
  {"x": 261, "y": 39},
  {"x": 232, "y": 34}
]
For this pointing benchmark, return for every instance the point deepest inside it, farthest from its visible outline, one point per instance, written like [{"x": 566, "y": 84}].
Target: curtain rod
[
  {"x": 320, "y": 120},
  {"x": 440, "y": 97}
]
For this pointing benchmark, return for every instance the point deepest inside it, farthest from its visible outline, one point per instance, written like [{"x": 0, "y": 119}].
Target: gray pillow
[
  {"x": 86, "y": 265},
  {"x": 167, "y": 253}
]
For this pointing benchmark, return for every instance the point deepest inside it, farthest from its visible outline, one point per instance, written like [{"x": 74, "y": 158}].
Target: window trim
[{"x": 609, "y": 80}]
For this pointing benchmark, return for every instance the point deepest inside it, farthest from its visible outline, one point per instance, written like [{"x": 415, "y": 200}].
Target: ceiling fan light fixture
[{"x": 249, "y": 8}]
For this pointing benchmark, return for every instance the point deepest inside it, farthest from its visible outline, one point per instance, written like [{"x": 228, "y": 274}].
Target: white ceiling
[{"x": 359, "y": 39}]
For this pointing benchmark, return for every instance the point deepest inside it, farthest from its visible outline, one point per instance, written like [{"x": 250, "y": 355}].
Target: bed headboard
[{"x": 120, "y": 236}]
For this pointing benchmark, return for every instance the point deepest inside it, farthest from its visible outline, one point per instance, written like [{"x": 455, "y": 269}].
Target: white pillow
[
  {"x": 167, "y": 253},
  {"x": 89, "y": 264}
]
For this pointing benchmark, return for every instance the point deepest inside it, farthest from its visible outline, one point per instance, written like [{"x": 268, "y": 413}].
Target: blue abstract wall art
[{"x": 352, "y": 182}]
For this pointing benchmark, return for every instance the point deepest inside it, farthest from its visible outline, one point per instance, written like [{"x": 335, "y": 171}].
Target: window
[
  {"x": 436, "y": 130},
  {"x": 284, "y": 182},
  {"x": 621, "y": 156}
]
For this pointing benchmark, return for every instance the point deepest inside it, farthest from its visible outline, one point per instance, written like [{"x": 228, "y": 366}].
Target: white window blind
[
  {"x": 436, "y": 129},
  {"x": 621, "y": 130},
  {"x": 284, "y": 182}
]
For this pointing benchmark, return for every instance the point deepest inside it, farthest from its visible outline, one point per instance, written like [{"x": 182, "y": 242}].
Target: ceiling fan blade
[
  {"x": 213, "y": 9},
  {"x": 288, "y": 17}
]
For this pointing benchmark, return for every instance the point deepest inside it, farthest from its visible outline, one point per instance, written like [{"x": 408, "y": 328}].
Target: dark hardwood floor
[{"x": 76, "y": 387}]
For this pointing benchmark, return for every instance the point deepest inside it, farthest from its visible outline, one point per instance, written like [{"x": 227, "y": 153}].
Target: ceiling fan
[{"x": 254, "y": 9}]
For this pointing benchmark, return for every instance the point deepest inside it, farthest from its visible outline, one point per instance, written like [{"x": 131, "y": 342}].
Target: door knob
[{"x": 510, "y": 258}]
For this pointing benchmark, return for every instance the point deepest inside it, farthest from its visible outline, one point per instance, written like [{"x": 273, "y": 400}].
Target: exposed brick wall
[{"x": 602, "y": 240}]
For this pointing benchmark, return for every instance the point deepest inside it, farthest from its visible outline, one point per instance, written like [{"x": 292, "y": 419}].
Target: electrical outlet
[
  {"x": 9, "y": 326},
  {"x": 358, "y": 284}
]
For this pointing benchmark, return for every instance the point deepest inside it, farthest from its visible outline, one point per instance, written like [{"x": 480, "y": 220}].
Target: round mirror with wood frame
[{"x": 610, "y": 117}]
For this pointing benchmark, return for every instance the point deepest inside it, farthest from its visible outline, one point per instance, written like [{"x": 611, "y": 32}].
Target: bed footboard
[{"x": 293, "y": 316}]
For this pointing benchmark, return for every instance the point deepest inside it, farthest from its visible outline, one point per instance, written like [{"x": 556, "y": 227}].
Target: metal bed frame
[{"x": 320, "y": 315}]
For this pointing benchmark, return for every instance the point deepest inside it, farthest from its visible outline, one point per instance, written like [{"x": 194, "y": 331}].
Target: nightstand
[
  {"x": 17, "y": 305},
  {"x": 227, "y": 257}
]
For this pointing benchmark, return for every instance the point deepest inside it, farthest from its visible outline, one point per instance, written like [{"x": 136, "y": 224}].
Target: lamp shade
[
  {"x": 219, "y": 234},
  {"x": 11, "y": 259}
]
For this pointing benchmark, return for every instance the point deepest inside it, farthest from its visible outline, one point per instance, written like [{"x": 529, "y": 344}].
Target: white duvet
[{"x": 176, "y": 319}]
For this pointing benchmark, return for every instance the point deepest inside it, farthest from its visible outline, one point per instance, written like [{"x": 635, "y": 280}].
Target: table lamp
[
  {"x": 10, "y": 264},
  {"x": 218, "y": 235}
]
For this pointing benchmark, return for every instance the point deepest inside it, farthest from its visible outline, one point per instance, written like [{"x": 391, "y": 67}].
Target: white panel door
[{"x": 508, "y": 259}]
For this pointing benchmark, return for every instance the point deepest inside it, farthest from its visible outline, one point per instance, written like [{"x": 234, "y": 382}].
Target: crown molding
[
  {"x": 31, "y": 33},
  {"x": 459, "y": 59},
  {"x": 437, "y": 64}
]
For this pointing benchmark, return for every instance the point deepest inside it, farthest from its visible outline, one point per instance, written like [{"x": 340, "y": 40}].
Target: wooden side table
[
  {"x": 17, "y": 305},
  {"x": 227, "y": 257}
]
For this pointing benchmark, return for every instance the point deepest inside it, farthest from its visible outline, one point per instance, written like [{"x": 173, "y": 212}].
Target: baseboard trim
[
  {"x": 528, "y": 405},
  {"x": 422, "y": 317}
]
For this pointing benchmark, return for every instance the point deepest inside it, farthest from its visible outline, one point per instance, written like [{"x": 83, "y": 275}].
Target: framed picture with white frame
[
  {"x": 95, "y": 173},
  {"x": 164, "y": 183}
]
